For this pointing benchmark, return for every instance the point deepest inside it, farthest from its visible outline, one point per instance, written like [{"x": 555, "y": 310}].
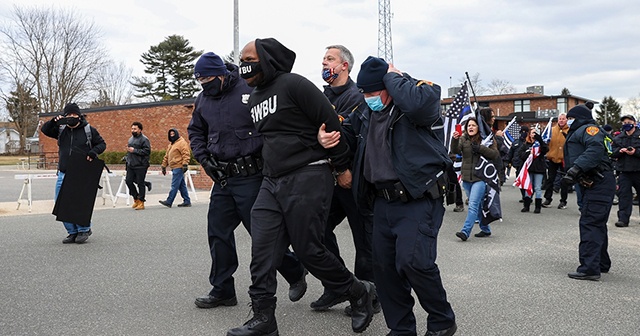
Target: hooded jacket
[
  {"x": 221, "y": 125},
  {"x": 556, "y": 144},
  {"x": 288, "y": 110},
  {"x": 177, "y": 154},
  {"x": 73, "y": 140}
]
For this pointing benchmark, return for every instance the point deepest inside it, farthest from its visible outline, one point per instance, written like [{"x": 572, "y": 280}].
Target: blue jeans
[
  {"x": 475, "y": 191},
  {"x": 536, "y": 179},
  {"x": 71, "y": 228},
  {"x": 177, "y": 183}
]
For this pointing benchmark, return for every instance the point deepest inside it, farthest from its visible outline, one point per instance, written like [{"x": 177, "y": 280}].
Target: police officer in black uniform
[
  {"x": 586, "y": 154},
  {"x": 400, "y": 166},
  {"x": 225, "y": 142},
  {"x": 626, "y": 149}
]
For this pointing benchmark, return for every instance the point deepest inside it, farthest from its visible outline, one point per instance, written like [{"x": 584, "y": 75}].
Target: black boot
[
  {"x": 527, "y": 203},
  {"x": 538, "y": 205},
  {"x": 263, "y": 322},
  {"x": 361, "y": 297}
]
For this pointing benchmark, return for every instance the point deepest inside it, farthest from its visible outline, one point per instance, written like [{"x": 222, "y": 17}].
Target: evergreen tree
[
  {"x": 609, "y": 113},
  {"x": 171, "y": 65},
  {"x": 23, "y": 109},
  {"x": 565, "y": 92}
]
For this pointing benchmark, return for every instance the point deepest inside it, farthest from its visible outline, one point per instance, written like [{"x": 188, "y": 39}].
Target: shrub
[{"x": 155, "y": 158}]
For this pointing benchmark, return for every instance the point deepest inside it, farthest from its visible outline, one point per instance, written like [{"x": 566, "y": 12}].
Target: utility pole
[
  {"x": 236, "y": 34},
  {"x": 385, "y": 49}
]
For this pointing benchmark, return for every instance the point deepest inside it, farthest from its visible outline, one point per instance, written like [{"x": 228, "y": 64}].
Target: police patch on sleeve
[{"x": 592, "y": 130}]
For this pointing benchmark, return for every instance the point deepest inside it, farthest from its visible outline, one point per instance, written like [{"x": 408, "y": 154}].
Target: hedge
[{"x": 155, "y": 158}]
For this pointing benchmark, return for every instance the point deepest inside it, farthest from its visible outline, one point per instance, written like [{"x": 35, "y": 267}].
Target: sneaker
[
  {"x": 466, "y": 201},
  {"x": 148, "y": 185},
  {"x": 546, "y": 203},
  {"x": 70, "y": 239},
  {"x": 165, "y": 203},
  {"x": 298, "y": 288},
  {"x": 462, "y": 236},
  {"x": 615, "y": 201},
  {"x": 184, "y": 205},
  {"x": 328, "y": 300},
  {"x": 482, "y": 234},
  {"x": 210, "y": 301},
  {"x": 562, "y": 205},
  {"x": 458, "y": 208},
  {"x": 82, "y": 237},
  {"x": 621, "y": 224}
]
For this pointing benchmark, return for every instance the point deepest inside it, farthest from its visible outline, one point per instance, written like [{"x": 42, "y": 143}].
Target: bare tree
[
  {"x": 632, "y": 106},
  {"x": 500, "y": 86},
  {"x": 112, "y": 86},
  {"x": 476, "y": 83},
  {"x": 56, "y": 49}
]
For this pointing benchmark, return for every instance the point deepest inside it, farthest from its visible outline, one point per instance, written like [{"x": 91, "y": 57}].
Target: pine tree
[
  {"x": 171, "y": 65},
  {"x": 609, "y": 113},
  {"x": 23, "y": 109},
  {"x": 565, "y": 92}
]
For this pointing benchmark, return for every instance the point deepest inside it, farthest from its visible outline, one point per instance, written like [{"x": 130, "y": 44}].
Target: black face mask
[
  {"x": 249, "y": 69},
  {"x": 212, "y": 88},
  {"x": 173, "y": 138},
  {"x": 73, "y": 122}
]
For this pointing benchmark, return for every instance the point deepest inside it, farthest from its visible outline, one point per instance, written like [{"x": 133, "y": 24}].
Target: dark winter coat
[
  {"x": 470, "y": 158},
  {"x": 73, "y": 140}
]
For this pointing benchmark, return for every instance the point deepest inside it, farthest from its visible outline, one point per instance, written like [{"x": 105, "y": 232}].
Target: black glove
[
  {"x": 164, "y": 170},
  {"x": 92, "y": 155},
  {"x": 475, "y": 148},
  {"x": 571, "y": 176},
  {"x": 185, "y": 168},
  {"x": 215, "y": 172},
  {"x": 538, "y": 137}
]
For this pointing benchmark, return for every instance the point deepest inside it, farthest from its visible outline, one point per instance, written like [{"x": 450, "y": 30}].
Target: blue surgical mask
[
  {"x": 375, "y": 103},
  {"x": 627, "y": 127},
  {"x": 570, "y": 121}
]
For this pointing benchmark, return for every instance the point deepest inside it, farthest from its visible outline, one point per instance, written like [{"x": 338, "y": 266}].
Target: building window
[
  {"x": 521, "y": 106},
  {"x": 562, "y": 105}
]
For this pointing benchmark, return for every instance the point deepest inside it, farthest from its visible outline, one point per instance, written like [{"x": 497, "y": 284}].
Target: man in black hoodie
[{"x": 295, "y": 196}]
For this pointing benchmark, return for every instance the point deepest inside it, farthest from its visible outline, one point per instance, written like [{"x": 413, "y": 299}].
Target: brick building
[
  {"x": 114, "y": 124},
  {"x": 530, "y": 107}
]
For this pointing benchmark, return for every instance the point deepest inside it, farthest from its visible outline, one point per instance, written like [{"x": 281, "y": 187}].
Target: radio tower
[{"x": 385, "y": 49}]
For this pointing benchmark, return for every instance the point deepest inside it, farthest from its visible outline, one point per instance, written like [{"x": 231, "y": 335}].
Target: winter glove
[
  {"x": 185, "y": 168},
  {"x": 571, "y": 176},
  {"x": 538, "y": 138},
  {"x": 164, "y": 170},
  {"x": 210, "y": 168},
  {"x": 475, "y": 148},
  {"x": 92, "y": 155}
]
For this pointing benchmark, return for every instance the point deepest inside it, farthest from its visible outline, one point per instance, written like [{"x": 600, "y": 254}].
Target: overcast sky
[{"x": 591, "y": 47}]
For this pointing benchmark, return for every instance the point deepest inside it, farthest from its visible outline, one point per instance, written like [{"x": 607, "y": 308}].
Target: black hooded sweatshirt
[{"x": 288, "y": 111}]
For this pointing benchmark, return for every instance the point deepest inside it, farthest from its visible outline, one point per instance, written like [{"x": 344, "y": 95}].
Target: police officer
[
  {"x": 400, "y": 163},
  {"x": 227, "y": 145},
  {"x": 586, "y": 154},
  {"x": 626, "y": 149}
]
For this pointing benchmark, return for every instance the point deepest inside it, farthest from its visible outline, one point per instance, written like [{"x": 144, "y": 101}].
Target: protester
[
  {"x": 138, "y": 154},
  {"x": 294, "y": 199},
  {"x": 177, "y": 159},
  {"x": 469, "y": 145},
  {"x": 533, "y": 146},
  {"x": 402, "y": 161},
  {"x": 514, "y": 160},
  {"x": 555, "y": 161},
  {"x": 226, "y": 143},
  {"x": 75, "y": 136},
  {"x": 626, "y": 151},
  {"x": 586, "y": 155},
  {"x": 344, "y": 95}
]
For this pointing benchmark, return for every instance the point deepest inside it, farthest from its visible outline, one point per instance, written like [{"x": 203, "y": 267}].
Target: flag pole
[{"x": 472, "y": 89}]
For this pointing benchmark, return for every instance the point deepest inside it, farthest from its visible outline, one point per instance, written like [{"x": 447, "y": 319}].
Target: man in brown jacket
[
  {"x": 555, "y": 161},
  {"x": 177, "y": 159}
]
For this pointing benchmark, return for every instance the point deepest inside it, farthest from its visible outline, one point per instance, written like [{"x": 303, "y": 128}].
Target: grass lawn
[{"x": 6, "y": 160}]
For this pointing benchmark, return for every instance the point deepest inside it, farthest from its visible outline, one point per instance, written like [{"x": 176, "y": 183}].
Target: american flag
[
  {"x": 523, "y": 181},
  {"x": 458, "y": 113},
  {"x": 513, "y": 128}
]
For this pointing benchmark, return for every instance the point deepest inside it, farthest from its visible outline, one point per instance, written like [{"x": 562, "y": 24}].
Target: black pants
[
  {"x": 627, "y": 181},
  {"x": 405, "y": 237},
  {"x": 227, "y": 208},
  {"x": 552, "y": 170},
  {"x": 459, "y": 200},
  {"x": 135, "y": 182},
  {"x": 292, "y": 210},
  {"x": 594, "y": 241},
  {"x": 344, "y": 205}
]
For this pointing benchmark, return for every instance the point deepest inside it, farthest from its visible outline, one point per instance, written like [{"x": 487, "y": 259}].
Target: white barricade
[
  {"x": 123, "y": 190},
  {"x": 28, "y": 180}
]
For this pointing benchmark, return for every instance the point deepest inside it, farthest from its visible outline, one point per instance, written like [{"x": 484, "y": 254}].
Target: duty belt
[{"x": 243, "y": 166}]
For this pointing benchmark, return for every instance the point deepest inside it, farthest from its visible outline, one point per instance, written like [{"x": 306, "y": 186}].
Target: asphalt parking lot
[{"x": 141, "y": 270}]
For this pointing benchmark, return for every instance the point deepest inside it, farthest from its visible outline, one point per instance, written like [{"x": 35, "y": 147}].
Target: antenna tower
[{"x": 385, "y": 49}]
